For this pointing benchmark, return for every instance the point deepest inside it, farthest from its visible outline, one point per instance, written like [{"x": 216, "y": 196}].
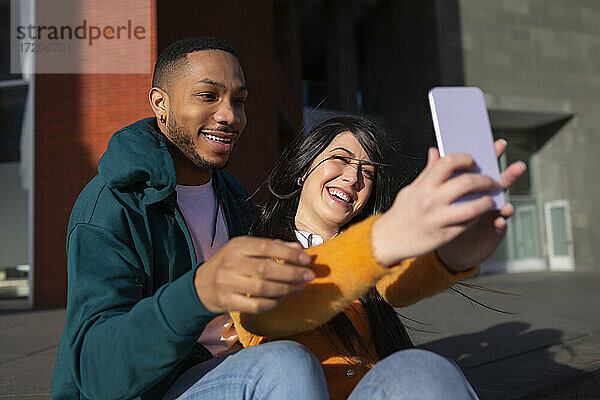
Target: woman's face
[{"x": 338, "y": 188}]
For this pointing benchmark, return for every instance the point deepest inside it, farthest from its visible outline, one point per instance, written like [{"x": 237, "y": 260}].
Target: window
[{"x": 14, "y": 171}]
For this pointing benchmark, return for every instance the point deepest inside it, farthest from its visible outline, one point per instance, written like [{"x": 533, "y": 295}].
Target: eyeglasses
[{"x": 367, "y": 169}]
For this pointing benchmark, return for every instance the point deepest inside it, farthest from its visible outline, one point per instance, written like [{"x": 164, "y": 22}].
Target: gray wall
[{"x": 544, "y": 56}]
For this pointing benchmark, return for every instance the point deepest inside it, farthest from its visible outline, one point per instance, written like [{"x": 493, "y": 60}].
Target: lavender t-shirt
[{"x": 197, "y": 203}]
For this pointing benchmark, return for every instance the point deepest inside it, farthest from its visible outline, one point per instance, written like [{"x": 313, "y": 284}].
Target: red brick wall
[{"x": 74, "y": 117}]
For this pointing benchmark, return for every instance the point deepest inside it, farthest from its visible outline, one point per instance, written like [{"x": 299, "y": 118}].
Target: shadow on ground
[{"x": 506, "y": 361}]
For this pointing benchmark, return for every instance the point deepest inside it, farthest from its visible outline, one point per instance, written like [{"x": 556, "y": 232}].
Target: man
[
  {"x": 135, "y": 303},
  {"x": 140, "y": 312}
]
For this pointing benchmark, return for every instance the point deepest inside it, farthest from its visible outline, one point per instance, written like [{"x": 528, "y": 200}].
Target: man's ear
[{"x": 159, "y": 101}]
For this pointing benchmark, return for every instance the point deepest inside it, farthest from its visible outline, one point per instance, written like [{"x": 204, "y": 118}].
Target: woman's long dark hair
[{"x": 277, "y": 220}]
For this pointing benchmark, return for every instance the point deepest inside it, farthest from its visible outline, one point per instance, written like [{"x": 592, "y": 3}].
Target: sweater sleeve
[
  {"x": 345, "y": 270},
  {"x": 246, "y": 338},
  {"x": 417, "y": 278}
]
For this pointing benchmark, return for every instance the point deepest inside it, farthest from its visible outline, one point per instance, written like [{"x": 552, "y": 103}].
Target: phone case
[{"x": 461, "y": 124}]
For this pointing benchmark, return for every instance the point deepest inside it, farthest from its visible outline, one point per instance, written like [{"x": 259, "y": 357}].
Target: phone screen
[{"x": 461, "y": 124}]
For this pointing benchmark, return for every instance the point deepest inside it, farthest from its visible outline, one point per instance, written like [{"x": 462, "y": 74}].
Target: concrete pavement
[
  {"x": 28, "y": 346},
  {"x": 545, "y": 344}
]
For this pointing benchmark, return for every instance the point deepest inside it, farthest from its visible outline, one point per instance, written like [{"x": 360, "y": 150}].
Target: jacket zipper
[
  {"x": 226, "y": 211},
  {"x": 186, "y": 230}
]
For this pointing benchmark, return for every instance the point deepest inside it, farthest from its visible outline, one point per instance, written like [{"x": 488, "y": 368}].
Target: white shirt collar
[{"x": 308, "y": 239}]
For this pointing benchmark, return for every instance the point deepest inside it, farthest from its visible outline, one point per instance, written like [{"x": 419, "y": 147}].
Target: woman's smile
[{"x": 340, "y": 196}]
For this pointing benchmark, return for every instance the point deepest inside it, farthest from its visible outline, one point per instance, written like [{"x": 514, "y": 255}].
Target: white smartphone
[{"x": 461, "y": 124}]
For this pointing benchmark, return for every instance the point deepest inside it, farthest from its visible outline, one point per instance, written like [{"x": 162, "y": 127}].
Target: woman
[{"x": 334, "y": 176}]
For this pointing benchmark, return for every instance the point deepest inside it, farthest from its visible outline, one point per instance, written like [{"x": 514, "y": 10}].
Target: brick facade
[{"x": 75, "y": 116}]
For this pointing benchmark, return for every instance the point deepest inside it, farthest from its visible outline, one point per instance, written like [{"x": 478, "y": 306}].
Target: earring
[
  {"x": 163, "y": 119},
  {"x": 299, "y": 181}
]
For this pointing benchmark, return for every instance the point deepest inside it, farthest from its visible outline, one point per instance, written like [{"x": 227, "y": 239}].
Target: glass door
[
  {"x": 558, "y": 229},
  {"x": 527, "y": 234}
]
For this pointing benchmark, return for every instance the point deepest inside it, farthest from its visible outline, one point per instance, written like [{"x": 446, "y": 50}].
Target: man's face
[{"x": 206, "y": 108}]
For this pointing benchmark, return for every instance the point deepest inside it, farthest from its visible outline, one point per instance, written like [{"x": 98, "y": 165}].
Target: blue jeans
[
  {"x": 286, "y": 370},
  {"x": 272, "y": 371},
  {"x": 414, "y": 374}
]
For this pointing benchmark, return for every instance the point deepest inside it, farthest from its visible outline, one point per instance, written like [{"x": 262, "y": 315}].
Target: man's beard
[{"x": 183, "y": 140}]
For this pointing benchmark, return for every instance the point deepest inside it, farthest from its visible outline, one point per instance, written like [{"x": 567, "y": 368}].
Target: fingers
[
  {"x": 276, "y": 260},
  {"x": 254, "y": 286},
  {"x": 467, "y": 212},
  {"x": 500, "y": 224},
  {"x": 293, "y": 245},
  {"x": 447, "y": 166},
  {"x": 500, "y": 147},
  {"x": 259, "y": 247},
  {"x": 432, "y": 156},
  {"x": 268, "y": 269},
  {"x": 506, "y": 211},
  {"x": 512, "y": 173},
  {"x": 252, "y": 305},
  {"x": 253, "y": 294},
  {"x": 463, "y": 184},
  {"x": 261, "y": 286}
]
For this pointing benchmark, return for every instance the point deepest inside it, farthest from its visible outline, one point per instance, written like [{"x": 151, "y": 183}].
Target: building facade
[{"x": 537, "y": 61}]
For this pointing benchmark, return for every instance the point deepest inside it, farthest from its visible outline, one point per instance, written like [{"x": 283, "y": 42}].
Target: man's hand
[
  {"x": 482, "y": 236},
  {"x": 252, "y": 275},
  {"x": 422, "y": 217}
]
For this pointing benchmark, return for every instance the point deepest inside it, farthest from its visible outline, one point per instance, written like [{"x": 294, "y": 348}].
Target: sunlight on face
[
  {"x": 207, "y": 115},
  {"x": 337, "y": 187}
]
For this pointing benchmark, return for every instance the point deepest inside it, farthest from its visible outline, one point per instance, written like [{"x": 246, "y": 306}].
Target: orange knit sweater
[{"x": 345, "y": 270}]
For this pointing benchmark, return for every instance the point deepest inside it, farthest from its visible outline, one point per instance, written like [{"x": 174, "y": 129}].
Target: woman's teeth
[
  {"x": 216, "y": 138},
  {"x": 340, "y": 195}
]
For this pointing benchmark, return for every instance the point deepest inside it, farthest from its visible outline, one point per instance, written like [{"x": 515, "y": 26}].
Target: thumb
[{"x": 432, "y": 156}]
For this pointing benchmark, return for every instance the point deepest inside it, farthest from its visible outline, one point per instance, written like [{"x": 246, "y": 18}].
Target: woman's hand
[
  {"x": 423, "y": 218},
  {"x": 485, "y": 233}
]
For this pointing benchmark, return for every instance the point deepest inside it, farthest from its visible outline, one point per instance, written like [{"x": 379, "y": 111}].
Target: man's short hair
[{"x": 172, "y": 58}]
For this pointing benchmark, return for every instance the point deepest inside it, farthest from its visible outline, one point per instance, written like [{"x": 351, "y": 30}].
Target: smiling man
[
  {"x": 139, "y": 310},
  {"x": 204, "y": 114}
]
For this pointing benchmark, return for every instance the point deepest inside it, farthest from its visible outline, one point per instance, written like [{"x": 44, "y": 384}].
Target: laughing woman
[{"x": 327, "y": 180}]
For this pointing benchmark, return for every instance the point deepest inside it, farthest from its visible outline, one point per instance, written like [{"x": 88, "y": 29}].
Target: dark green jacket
[{"x": 133, "y": 315}]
